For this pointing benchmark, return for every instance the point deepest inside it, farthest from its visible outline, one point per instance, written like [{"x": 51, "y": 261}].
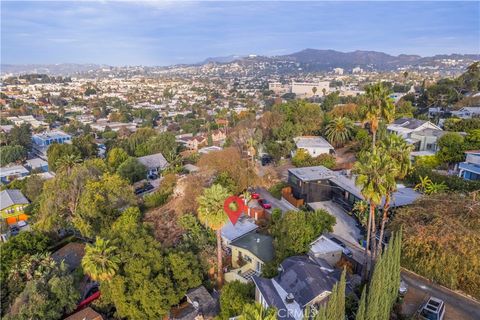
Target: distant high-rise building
[{"x": 357, "y": 70}]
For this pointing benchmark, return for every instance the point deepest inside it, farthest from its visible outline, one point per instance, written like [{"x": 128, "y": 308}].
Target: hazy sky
[{"x": 162, "y": 32}]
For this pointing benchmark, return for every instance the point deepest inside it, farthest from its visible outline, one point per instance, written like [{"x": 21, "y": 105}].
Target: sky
[{"x": 166, "y": 32}]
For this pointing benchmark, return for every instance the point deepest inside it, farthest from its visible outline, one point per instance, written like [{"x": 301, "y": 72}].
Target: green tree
[
  {"x": 100, "y": 261},
  {"x": 451, "y": 148},
  {"x": 296, "y": 230},
  {"x": 374, "y": 177},
  {"x": 377, "y": 106},
  {"x": 398, "y": 152},
  {"x": 115, "y": 157},
  {"x": 48, "y": 290},
  {"x": 255, "y": 311},
  {"x": 212, "y": 215},
  {"x": 21, "y": 136},
  {"x": 235, "y": 296},
  {"x": 362, "y": 305},
  {"x": 86, "y": 145},
  {"x": 339, "y": 131},
  {"x": 101, "y": 202},
  {"x": 12, "y": 153},
  {"x": 149, "y": 281},
  {"x": 57, "y": 151},
  {"x": 132, "y": 170}
]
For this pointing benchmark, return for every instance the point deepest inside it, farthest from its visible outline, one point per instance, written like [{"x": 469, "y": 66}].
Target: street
[{"x": 420, "y": 289}]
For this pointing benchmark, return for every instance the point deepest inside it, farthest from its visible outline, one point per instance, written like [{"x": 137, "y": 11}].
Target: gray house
[{"x": 155, "y": 163}]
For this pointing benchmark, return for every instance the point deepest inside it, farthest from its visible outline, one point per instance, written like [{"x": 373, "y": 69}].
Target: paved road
[
  {"x": 276, "y": 203},
  {"x": 457, "y": 307}
]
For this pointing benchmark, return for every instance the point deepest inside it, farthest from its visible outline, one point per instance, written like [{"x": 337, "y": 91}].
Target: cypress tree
[
  {"x": 341, "y": 295},
  {"x": 332, "y": 305},
  {"x": 361, "y": 305}
]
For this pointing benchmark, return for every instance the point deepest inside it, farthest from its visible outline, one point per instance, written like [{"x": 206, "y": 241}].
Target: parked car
[
  {"x": 346, "y": 250},
  {"x": 14, "y": 230},
  {"x": 402, "y": 290},
  {"x": 255, "y": 195},
  {"x": 434, "y": 309},
  {"x": 264, "y": 203},
  {"x": 146, "y": 187},
  {"x": 266, "y": 159}
]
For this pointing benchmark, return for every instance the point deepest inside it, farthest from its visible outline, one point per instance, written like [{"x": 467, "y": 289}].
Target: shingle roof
[
  {"x": 410, "y": 123},
  {"x": 304, "y": 279},
  {"x": 258, "y": 244},
  {"x": 71, "y": 254},
  {"x": 85, "y": 314},
  {"x": 11, "y": 197},
  {"x": 154, "y": 161}
]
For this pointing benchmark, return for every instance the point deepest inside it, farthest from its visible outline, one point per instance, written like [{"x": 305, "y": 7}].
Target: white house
[
  {"x": 467, "y": 112},
  {"x": 405, "y": 126},
  {"x": 314, "y": 145}
]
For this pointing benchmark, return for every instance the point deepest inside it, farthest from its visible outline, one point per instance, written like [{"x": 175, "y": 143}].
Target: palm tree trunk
[
  {"x": 219, "y": 258},
  {"x": 373, "y": 237},
  {"x": 374, "y": 139},
  {"x": 367, "y": 255},
  {"x": 386, "y": 206}
]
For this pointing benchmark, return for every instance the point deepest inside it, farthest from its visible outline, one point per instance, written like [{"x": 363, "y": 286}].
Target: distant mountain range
[{"x": 308, "y": 60}]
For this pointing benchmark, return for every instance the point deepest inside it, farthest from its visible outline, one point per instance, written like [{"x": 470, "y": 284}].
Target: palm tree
[
  {"x": 256, "y": 311},
  {"x": 211, "y": 214},
  {"x": 396, "y": 148},
  {"x": 67, "y": 162},
  {"x": 339, "y": 130},
  {"x": 100, "y": 261},
  {"x": 360, "y": 209},
  {"x": 372, "y": 177},
  {"x": 377, "y": 106}
]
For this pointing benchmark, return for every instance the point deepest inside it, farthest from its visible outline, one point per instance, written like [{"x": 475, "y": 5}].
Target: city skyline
[{"x": 165, "y": 33}]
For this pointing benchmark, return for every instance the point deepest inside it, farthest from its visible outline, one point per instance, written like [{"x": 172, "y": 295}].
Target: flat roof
[
  {"x": 312, "y": 142},
  {"x": 324, "y": 245}
]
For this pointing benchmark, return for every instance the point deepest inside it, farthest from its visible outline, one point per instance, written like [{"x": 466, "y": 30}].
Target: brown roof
[
  {"x": 85, "y": 314},
  {"x": 71, "y": 254}
]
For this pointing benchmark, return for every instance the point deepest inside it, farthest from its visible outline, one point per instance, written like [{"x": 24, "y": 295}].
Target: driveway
[
  {"x": 276, "y": 203},
  {"x": 346, "y": 226},
  {"x": 420, "y": 289}
]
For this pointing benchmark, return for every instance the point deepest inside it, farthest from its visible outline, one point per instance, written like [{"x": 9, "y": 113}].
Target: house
[
  {"x": 405, "y": 126},
  {"x": 37, "y": 164},
  {"x": 467, "y": 112},
  {"x": 314, "y": 145},
  {"x": 71, "y": 254},
  {"x": 12, "y": 205},
  {"x": 326, "y": 249},
  {"x": 12, "y": 172},
  {"x": 470, "y": 169},
  {"x": 249, "y": 254},
  {"x": 300, "y": 284},
  {"x": 155, "y": 163},
  {"x": 193, "y": 143},
  {"x": 218, "y": 135},
  {"x": 231, "y": 232},
  {"x": 315, "y": 184},
  {"x": 426, "y": 139},
  {"x": 85, "y": 314},
  {"x": 199, "y": 305},
  {"x": 42, "y": 141}
]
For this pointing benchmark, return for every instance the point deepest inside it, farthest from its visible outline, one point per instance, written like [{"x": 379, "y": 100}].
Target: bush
[
  {"x": 303, "y": 159},
  {"x": 453, "y": 183},
  {"x": 276, "y": 190},
  {"x": 234, "y": 296},
  {"x": 161, "y": 196}
]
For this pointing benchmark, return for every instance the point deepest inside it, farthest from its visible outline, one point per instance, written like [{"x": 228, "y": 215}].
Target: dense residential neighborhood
[{"x": 319, "y": 185}]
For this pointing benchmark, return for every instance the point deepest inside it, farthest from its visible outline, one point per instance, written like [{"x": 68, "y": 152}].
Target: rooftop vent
[{"x": 289, "y": 298}]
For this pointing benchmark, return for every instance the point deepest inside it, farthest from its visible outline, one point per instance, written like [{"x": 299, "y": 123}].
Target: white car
[{"x": 434, "y": 309}]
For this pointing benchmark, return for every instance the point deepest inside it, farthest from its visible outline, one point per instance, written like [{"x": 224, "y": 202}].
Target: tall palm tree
[
  {"x": 256, "y": 311},
  {"x": 377, "y": 106},
  {"x": 100, "y": 261},
  {"x": 397, "y": 149},
  {"x": 339, "y": 130},
  {"x": 67, "y": 162},
  {"x": 372, "y": 169},
  {"x": 212, "y": 215}
]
